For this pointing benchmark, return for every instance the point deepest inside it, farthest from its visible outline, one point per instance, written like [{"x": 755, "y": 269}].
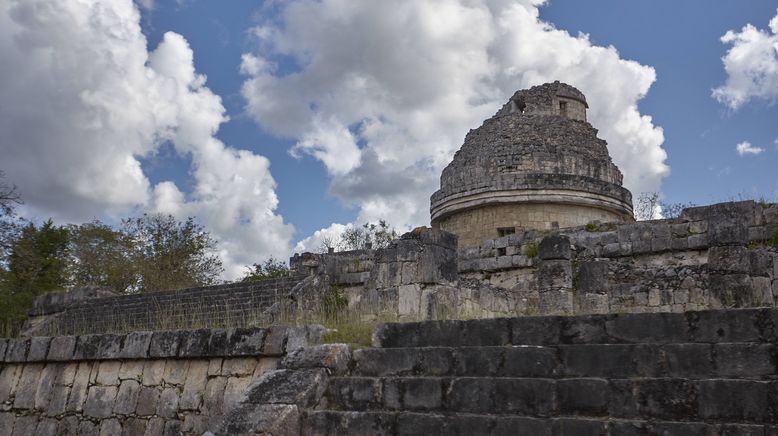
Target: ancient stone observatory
[{"x": 536, "y": 164}]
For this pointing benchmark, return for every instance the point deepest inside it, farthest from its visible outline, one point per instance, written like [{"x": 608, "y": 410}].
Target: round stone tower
[{"x": 536, "y": 164}]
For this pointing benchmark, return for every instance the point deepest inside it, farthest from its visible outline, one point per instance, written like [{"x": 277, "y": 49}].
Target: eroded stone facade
[
  {"x": 536, "y": 158},
  {"x": 469, "y": 225}
]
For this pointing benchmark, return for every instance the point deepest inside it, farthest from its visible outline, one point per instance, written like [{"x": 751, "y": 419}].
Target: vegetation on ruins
[
  {"x": 272, "y": 268},
  {"x": 169, "y": 254},
  {"x": 649, "y": 206},
  {"x": 369, "y": 235},
  {"x": 531, "y": 249},
  {"x": 146, "y": 253}
]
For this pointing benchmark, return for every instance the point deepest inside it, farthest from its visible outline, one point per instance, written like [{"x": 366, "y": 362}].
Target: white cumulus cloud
[
  {"x": 321, "y": 238},
  {"x": 745, "y": 148},
  {"x": 84, "y": 101},
  {"x": 751, "y": 65},
  {"x": 384, "y": 92}
]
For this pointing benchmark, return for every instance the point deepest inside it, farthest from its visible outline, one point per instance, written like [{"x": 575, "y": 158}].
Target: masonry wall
[
  {"x": 476, "y": 225},
  {"x": 153, "y": 383},
  {"x": 715, "y": 256},
  {"x": 233, "y": 304}
]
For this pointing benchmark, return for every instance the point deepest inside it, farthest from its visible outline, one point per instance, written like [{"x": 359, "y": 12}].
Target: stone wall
[
  {"x": 711, "y": 257},
  {"x": 478, "y": 224},
  {"x": 697, "y": 373},
  {"x": 152, "y": 383},
  {"x": 233, "y": 304}
]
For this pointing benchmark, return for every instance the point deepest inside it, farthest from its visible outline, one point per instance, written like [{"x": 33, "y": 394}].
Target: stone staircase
[{"x": 698, "y": 373}]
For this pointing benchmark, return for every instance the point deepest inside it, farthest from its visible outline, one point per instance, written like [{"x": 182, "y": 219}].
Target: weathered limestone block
[
  {"x": 173, "y": 427},
  {"x": 196, "y": 379},
  {"x": 218, "y": 342},
  {"x": 555, "y": 301},
  {"x": 156, "y": 426},
  {"x": 16, "y": 350},
  {"x": 727, "y": 231},
  {"x": 108, "y": 372},
  {"x": 58, "y": 401},
  {"x": 175, "y": 371},
  {"x": 127, "y": 398},
  {"x": 195, "y": 424},
  {"x": 761, "y": 262},
  {"x": 168, "y": 403},
  {"x": 333, "y": 357},
  {"x": 213, "y": 398},
  {"x": 100, "y": 401},
  {"x": 28, "y": 386},
  {"x": 131, "y": 369},
  {"x": 554, "y": 247},
  {"x": 239, "y": 366},
  {"x": 409, "y": 299},
  {"x": 39, "y": 347},
  {"x": 148, "y": 398},
  {"x": 246, "y": 341},
  {"x": 303, "y": 336},
  {"x": 46, "y": 427},
  {"x": 234, "y": 391},
  {"x": 62, "y": 348},
  {"x": 80, "y": 386},
  {"x": 9, "y": 376},
  {"x": 165, "y": 343},
  {"x": 300, "y": 387},
  {"x": 270, "y": 419},
  {"x": 215, "y": 366},
  {"x": 729, "y": 259},
  {"x": 87, "y": 428},
  {"x": 110, "y": 427},
  {"x": 733, "y": 290},
  {"x": 153, "y": 371},
  {"x": 102, "y": 346},
  {"x": 25, "y": 425},
  {"x": 48, "y": 376},
  {"x": 555, "y": 274},
  {"x": 592, "y": 277},
  {"x": 136, "y": 345},
  {"x": 194, "y": 343}
]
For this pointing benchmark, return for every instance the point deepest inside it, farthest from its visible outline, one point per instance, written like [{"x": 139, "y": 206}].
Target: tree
[
  {"x": 649, "y": 206},
  {"x": 10, "y": 225},
  {"x": 38, "y": 260},
  {"x": 368, "y": 235},
  {"x": 168, "y": 254},
  {"x": 9, "y": 197},
  {"x": 272, "y": 268},
  {"x": 101, "y": 256}
]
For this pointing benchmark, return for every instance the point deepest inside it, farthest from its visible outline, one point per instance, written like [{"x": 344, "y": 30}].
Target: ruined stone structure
[
  {"x": 536, "y": 164},
  {"x": 590, "y": 323}
]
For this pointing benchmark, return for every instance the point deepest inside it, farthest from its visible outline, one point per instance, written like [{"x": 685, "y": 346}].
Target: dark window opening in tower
[
  {"x": 563, "y": 108},
  {"x": 505, "y": 231},
  {"x": 518, "y": 106}
]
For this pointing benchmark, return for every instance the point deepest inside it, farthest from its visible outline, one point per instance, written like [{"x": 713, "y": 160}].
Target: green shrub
[
  {"x": 334, "y": 302},
  {"x": 774, "y": 238},
  {"x": 531, "y": 249}
]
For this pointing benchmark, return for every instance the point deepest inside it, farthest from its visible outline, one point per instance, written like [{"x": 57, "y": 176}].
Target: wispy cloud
[{"x": 745, "y": 148}]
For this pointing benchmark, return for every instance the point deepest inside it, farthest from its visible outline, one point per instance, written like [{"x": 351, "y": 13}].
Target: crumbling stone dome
[{"x": 536, "y": 164}]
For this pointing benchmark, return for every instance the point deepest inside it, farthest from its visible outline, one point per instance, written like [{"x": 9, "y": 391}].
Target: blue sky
[
  {"x": 681, "y": 41},
  {"x": 673, "y": 37},
  {"x": 280, "y": 123}
]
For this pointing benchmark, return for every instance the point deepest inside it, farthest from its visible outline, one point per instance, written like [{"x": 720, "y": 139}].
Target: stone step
[
  {"x": 672, "y": 399},
  {"x": 338, "y": 423},
  {"x": 692, "y": 361},
  {"x": 714, "y": 326}
]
